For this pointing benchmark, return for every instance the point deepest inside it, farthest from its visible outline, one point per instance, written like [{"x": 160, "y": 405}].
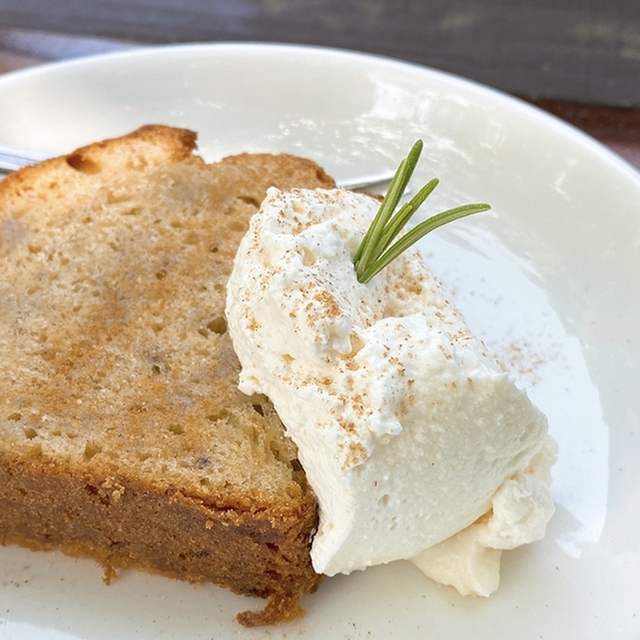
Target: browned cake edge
[{"x": 122, "y": 523}]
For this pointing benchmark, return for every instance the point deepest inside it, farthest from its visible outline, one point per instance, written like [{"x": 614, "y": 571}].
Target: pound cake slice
[{"x": 123, "y": 435}]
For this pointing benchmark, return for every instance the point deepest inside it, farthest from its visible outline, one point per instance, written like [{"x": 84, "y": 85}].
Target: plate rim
[{"x": 517, "y": 104}]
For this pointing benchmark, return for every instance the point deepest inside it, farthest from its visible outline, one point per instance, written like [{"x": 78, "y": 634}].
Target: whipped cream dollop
[{"x": 414, "y": 439}]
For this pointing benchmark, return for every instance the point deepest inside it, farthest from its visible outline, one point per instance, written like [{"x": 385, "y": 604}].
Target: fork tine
[{"x": 365, "y": 181}]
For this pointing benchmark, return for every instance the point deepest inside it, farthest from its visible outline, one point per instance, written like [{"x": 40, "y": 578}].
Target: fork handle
[{"x": 12, "y": 158}]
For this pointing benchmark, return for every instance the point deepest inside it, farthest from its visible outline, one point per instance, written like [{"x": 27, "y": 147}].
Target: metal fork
[{"x": 13, "y": 158}]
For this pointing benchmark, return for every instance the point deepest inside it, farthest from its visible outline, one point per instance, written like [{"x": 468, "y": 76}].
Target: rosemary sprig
[{"x": 376, "y": 250}]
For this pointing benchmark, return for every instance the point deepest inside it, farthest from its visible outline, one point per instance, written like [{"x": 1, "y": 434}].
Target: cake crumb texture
[{"x": 123, "y": 435}]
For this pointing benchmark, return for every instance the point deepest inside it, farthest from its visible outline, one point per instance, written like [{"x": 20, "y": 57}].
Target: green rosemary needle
[{"x": 376, "y": 250}]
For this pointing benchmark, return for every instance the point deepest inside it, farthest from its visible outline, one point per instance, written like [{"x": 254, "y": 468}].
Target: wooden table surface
[{"x": 578, "y": 59}]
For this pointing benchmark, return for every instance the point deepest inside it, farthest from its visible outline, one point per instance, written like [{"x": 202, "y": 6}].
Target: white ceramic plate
[{"x": 549, "y": 279}]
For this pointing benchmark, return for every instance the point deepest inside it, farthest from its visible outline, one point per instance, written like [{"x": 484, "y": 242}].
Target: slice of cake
[{"x": 123, "y": 435}]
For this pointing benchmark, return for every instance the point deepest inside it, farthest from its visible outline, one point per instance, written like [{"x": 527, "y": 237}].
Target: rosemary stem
[{"x": 376, "y": 251}]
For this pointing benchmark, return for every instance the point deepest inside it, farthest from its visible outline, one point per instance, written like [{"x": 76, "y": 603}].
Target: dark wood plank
[
  {"x": 617, "y": 128},
  {"x": 573, "y": 50}
]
